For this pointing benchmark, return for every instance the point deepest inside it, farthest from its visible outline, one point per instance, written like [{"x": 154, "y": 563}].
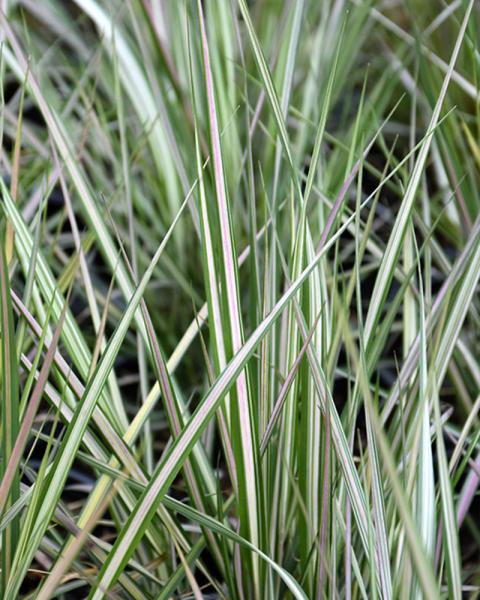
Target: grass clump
[{"x": 240, "y": 259}]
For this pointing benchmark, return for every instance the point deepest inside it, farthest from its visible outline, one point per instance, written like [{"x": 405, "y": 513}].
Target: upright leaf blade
[{"x": 9, "y": 409}]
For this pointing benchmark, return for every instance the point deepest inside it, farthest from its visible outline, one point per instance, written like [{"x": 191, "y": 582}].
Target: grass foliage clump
[{"x": 239, "y": 309}]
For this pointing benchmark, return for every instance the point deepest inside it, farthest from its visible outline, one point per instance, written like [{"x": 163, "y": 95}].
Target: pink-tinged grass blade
[{"x": 249, "y": 474}]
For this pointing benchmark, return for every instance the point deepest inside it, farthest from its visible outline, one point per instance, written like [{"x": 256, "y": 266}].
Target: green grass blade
[{"x": 10, "y": 400}]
